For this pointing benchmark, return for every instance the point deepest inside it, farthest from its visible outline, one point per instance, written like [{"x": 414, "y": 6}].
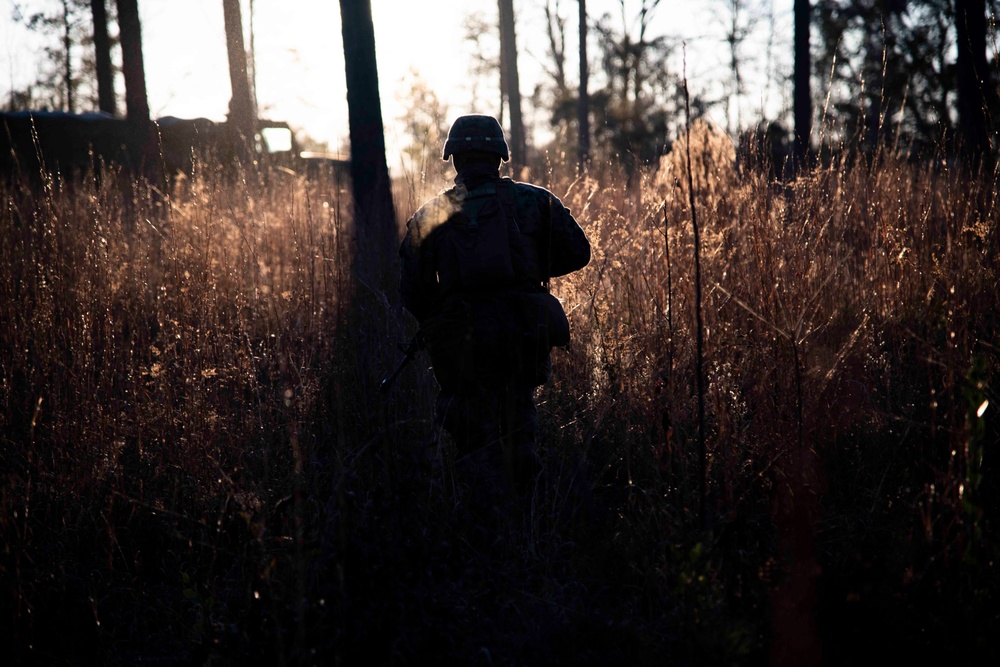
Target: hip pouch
[{"x": 496, "y": 341}]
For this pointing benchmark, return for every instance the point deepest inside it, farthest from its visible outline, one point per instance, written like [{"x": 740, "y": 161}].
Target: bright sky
[{"x": 300, "y": 68}]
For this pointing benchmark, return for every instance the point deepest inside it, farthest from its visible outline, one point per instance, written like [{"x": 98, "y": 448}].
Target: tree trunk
[
  {"x": 735, "y": 37},
  {"x": 102, "y": 58},
  {"x": 252, "y": 60},
  {"x": 973, "y": 77},
  {"x": 373, "y": 316},
  {"x": 242, "y": 117},
  {"x": 374, "y": 213},
  {"x": 68, "y": 60},
  {"x": 875, "y": 45},
  {"x": 136, "y": 102},
  {"x": 802, "y": 102},
  {"x": 583, "y": 101},
  {"x": 508, "y": 65}
]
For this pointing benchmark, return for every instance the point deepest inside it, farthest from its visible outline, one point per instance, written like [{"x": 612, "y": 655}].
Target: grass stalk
[{"x": 706, "y": 519}]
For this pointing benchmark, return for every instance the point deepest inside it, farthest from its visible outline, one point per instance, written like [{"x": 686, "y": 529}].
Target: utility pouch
[{"x": 545, "y": 320}]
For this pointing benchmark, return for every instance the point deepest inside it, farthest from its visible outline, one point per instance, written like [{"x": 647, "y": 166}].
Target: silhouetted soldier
[{"x": 476, "y": 263}]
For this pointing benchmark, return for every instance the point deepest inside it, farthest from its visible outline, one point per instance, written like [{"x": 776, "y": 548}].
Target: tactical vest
[{"x": 496, "y": 323}]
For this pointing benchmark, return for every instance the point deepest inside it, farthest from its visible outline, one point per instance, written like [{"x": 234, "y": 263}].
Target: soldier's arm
[
  {"x": 411, "y": 284},
  {"x": 569, "y": 249},
  {"x": 418, "y": 285}
]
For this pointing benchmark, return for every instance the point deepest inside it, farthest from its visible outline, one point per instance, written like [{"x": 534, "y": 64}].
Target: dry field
[{"x": 198, "y": 467}]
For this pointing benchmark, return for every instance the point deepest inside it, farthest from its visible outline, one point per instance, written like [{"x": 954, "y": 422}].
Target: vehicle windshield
[{"x": 276, "y": 139}]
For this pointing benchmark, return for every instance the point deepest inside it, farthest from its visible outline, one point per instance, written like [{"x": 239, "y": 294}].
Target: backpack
[
  {"x": 473, "y": 247},
  {"x": 492, "y": 329}
]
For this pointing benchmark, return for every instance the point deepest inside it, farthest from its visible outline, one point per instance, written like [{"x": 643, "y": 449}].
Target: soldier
[{"x": 476, "y": 263}]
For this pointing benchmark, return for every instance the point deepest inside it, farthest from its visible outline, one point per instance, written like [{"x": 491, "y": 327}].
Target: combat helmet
[{"x": 476, "y": 133}]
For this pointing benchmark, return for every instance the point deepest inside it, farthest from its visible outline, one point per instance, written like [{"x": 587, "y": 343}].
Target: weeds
[{"x": 197, "y": 468}]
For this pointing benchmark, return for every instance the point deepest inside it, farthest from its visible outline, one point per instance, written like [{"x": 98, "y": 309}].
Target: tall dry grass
[{"x": 198, "y": 468}]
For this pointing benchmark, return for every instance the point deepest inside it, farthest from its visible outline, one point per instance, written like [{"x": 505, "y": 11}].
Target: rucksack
[
  {"x": 474, "y": 245},
  {"x": 492, "y": 328}
]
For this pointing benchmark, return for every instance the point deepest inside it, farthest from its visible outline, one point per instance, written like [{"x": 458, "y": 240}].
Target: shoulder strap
[
  {"x": 505, "y": 199},
  {"x": 474, "y": 201}
]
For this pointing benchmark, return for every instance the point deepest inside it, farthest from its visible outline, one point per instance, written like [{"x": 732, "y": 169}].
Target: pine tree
[
  {"x": 510, "y": 82},
  {"x": 583, "y": 98},
  {"x": 802, "y": 96},
  {"x": 102, "y": 58},
  {"x": 975, "y": 85},
  {"x": 242, "y": 116},
  {"x": 374, "y": 212}
]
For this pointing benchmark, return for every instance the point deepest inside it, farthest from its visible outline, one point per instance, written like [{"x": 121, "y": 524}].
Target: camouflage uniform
[{"x": 486, "y": 401}]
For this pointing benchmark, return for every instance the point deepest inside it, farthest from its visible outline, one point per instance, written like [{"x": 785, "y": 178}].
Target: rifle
[{"x": 410, "y": 349}]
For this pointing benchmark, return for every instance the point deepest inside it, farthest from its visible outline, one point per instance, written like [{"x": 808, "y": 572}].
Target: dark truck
[
  {"x": 183, "y": 141},
  {"x": 33, "y": 143}
]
